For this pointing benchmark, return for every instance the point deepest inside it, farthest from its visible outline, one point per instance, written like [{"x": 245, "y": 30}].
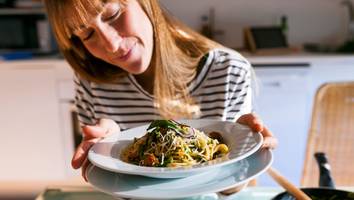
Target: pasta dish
[{"x": 168, "y": 143}]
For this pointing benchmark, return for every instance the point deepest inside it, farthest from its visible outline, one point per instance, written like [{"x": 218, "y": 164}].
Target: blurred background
[
  {"x": 316, "y": 22},
  {"x": 294, "y": 47}
]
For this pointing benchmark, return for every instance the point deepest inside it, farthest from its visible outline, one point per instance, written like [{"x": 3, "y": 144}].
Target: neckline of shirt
[{"x": 192, "y": 87}]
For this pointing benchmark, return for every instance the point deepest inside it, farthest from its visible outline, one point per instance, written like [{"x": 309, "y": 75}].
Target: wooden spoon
[{"x": 287, "y": 185}]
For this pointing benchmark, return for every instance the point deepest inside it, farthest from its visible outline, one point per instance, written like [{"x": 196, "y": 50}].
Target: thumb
[
  {"x": 252, "y": 121},
  {"x": 91, "y": 132}
]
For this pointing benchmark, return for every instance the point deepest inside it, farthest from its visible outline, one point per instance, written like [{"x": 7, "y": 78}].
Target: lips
[{"x": 126, "y": 54}]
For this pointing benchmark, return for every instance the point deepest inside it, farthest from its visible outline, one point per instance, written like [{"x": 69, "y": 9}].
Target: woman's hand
[
  {"x": 91, "y": 135},
  {"x": 252, "y": 121}
]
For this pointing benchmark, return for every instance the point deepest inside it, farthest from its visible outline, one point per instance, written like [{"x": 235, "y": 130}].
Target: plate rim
[
  {"x": 145, "y": 171},
  {"x": 182, "y": 195}
]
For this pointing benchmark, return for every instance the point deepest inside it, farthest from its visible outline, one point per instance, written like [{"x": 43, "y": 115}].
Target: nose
[{"x": 109, "y": 37}]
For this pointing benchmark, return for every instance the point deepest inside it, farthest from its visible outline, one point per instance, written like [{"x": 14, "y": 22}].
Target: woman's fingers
[
  {"x": 90, "y": 132},
  {"x": 251, "y": 120},
  {"x": 81, "y": 152},
  {"x": 84, "y": 168},
  {"x": 110, "y": 125},
  {"x": 269, "y": 141},
  {"x": 104, "y": 127}
]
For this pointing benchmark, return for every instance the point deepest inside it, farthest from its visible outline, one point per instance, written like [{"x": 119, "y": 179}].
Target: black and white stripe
[{"x": 222, "y": 90}]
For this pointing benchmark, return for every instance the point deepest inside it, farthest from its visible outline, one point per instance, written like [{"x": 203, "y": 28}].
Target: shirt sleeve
[
  {"x": 84, "y": 102},
  {"x": 240, "y": 89}
]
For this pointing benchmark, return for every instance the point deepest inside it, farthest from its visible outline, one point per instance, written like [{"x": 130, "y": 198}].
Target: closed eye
[
  {"x": 113, "y": 17},
  {"x": 88, "y": 36}
]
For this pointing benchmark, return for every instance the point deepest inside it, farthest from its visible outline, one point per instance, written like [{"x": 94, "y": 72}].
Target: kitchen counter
[
  {"x": 31, "y": 189},
  {"x": 310, "y": 58}
]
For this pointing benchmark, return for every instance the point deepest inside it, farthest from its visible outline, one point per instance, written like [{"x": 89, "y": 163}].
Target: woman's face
[{"x": 122, "y": 38}]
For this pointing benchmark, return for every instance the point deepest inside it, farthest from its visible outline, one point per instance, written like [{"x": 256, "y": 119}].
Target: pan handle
[
  {"x": 287, "y": 185},
  {"x": 326, "y": 179}
]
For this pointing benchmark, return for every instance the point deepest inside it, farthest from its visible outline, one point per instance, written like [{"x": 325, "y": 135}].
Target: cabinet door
[
  {"x": 282, "y": 104},
  {"x": 31, "y": 144},
  {"x": 67, "y": 125}
]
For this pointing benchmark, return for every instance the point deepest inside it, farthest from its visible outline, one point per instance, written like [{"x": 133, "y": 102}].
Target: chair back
[{"x": 332, "y": 132}]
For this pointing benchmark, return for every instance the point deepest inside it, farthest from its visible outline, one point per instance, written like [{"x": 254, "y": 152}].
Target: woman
[{"x": 135, "y": 63}]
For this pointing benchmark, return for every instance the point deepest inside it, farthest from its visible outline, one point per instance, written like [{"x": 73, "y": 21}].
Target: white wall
[{"x": 323, "y": 21}]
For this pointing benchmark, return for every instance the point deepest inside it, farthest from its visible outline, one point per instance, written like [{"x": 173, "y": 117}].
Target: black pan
[{"x": 326, "y": 191}]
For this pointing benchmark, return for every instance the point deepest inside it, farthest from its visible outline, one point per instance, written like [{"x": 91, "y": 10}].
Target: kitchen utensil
[
  {"x": 326, "y": 190},
  {"x": 292, "y": 189}
]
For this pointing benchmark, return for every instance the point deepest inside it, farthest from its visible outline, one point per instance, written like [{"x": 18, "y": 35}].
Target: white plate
[
  {"x": 140, "y": 187},
  {"x": 241, "y": 141}
]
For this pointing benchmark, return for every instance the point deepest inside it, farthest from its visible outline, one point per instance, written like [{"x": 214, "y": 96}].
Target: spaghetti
[{"x": 168, "y": 143}]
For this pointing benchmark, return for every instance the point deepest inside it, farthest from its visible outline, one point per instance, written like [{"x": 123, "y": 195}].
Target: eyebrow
[
  {"x": 81, "y": 28},
  {"x": 116, "y": 8}
]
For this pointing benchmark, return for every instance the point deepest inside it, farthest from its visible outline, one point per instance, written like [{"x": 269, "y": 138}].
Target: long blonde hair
[{"x": 176, "y": 53}]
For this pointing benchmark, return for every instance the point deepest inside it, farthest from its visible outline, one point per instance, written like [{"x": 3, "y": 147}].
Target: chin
[{"x": 136, "y": 70}]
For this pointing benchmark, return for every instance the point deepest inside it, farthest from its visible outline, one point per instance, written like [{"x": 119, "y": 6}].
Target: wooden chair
[{"x": 332, "y": 132}]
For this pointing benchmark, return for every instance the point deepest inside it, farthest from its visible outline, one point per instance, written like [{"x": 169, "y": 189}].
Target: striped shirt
[{"x": 222, "y": 89}]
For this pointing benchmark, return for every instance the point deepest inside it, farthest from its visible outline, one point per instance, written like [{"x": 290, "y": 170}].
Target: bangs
[
  {"x": 79, "y": 12},
  {"x": 77, "y": 15}
]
